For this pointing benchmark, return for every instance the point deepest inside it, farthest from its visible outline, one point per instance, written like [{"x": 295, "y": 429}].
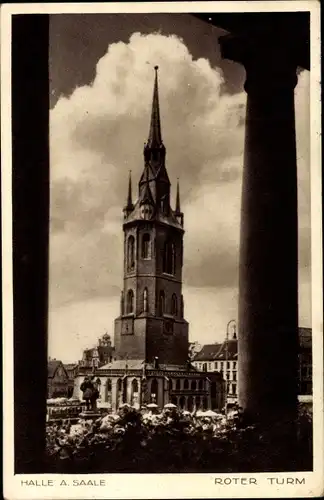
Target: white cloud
[{"x": 97, "y": 135}]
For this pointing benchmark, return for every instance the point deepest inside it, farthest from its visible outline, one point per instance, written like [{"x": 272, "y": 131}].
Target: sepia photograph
[{"x": 163, "y": 297}]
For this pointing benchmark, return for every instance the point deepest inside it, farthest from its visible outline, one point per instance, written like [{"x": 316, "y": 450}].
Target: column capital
[{"x": 270, "y": 62}]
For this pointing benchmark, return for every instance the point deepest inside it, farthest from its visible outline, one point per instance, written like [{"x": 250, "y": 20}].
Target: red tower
[{"x": 151, "y": 322}]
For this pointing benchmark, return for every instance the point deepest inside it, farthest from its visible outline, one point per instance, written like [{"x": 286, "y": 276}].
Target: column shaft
[{"x": 268, "y": 307}]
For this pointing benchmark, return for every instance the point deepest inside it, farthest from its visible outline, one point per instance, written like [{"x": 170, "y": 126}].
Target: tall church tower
[{"x": 151, "y": 323}]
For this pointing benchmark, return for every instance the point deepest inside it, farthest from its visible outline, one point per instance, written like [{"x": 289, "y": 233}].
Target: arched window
[
  {"x": 124, "y": 385},
  {"x": 130, "y": 302},
  {"x": 174, "y": 305},
  {"x": 134, "y": 385},
  {"x": 186, "y": 384},
  {"x": 146, "y": 246},
  {"x": 169, "y": 258},
  {"x": 182, "y": 402},
  {"x": 190, "y": 403},
  {"x": 178, "y": 385},
  {"x": 108, "y": 391},
  {"x": 193, "y": 385},
  {"x": 135, "y": 395},
  {"x": 145, "y": 300},
  {"x": 130, "y": 253},
  {"x": 201, "y": 385},
  {"x": 161, "y": 303},
  {"x": 154, "y": 391},
  {"x": 119, "y": 387}
]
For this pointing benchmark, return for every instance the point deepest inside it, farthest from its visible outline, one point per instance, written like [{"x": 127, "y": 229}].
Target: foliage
[{"x": 173, "y": 441}]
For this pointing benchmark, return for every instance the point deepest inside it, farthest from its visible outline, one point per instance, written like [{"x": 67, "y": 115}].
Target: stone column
[
  {"x": 139, "y": 380},
  {"x": 114, "y": 395},
  {"x": 268, "y": 288}
]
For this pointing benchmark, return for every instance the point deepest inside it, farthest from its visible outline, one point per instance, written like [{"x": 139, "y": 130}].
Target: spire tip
[{"x": 156, "y": 68}]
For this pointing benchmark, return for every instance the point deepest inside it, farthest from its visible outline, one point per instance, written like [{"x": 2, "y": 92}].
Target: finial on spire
[{"x": 155, "y": 136}]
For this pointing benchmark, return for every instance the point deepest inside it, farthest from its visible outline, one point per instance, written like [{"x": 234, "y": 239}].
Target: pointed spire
[
  {"x": 155, "y": 137},
  {"x": 129, "y": 196},
  {"x": 178, "y": 211},
  {"x": 129, "y": 207}
]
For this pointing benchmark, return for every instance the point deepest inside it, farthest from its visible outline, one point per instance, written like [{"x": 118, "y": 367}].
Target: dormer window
[{"x": 146, "y": 211}]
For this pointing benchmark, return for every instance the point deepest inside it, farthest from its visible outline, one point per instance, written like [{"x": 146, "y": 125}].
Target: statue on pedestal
[{"x": 90, "y": 392}]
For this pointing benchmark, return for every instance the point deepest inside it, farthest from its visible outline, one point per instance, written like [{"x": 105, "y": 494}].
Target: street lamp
[{"x": 226, "y": 359}]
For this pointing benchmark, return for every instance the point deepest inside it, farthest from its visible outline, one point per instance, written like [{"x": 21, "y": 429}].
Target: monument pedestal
[{"x": 90, "y": 414}]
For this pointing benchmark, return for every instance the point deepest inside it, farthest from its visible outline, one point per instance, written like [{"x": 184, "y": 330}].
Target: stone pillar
[
  {"x": 268, "y": 288},
  {"x": 160, "y": 394},
  {"x": 139, "y": 380},
  {"x": 114, "y": 395}
]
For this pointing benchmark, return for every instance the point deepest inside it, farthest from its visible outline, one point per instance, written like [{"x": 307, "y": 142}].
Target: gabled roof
[
  {"x": 208, "y": 352},
  {"x": 217, "y": 351},
  {"x": 231, "y": 347},
  {"x": 70, "y": 366},
  {"x": 52, "y": 366}
]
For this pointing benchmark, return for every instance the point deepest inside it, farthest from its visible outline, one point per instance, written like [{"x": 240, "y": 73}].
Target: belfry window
[
  {"x": 130, "y": 253},
  {"x": 161, "y": 303},
  {"x": 130, "y": 302},
  {"x": 146, "y": 246},
  {"x": 169, "y": 258},
  {"x": 174, "y": 305}
]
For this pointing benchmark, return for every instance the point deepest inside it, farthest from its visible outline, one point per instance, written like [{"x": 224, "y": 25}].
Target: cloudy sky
[{"x": 101, "y": 73}]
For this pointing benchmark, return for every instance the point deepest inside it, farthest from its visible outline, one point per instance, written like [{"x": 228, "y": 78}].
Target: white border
[{"x": 168, "y": 485}]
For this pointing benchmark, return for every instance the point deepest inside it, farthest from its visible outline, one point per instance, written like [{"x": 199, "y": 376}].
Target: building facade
[
  {"x": 151, "y": 333},
  {"x": 72, "y": 371},
  {"x": 57, "y": 379},
  {"x": 215, "y": 357},
  {"x": 99, "y": 355}
]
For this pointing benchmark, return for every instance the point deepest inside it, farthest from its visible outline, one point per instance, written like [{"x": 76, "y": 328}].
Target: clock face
[{"x": 146, "y": 211}]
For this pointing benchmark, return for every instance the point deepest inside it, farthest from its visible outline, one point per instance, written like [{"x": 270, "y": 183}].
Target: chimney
[{"x": 156, "y": 363}]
